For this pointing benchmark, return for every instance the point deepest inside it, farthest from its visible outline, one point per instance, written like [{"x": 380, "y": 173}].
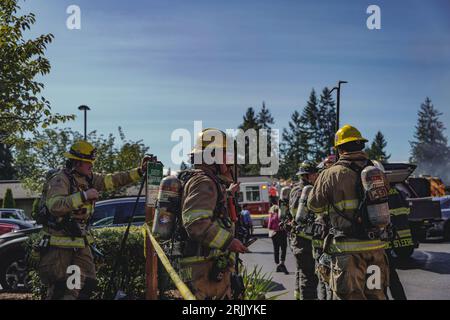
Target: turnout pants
[
  {"x": 395, "y": 285},
  {"x": 360, "y": 276},
  {"x": 58, "y": 269},
  {"x": 203, "y": 287},
  {"x": 305, "y": 276},
  {"x": 323, "y": 288}
]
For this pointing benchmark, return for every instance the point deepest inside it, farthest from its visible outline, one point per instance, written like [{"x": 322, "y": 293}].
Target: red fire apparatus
[{"x": 254, "y": 196}]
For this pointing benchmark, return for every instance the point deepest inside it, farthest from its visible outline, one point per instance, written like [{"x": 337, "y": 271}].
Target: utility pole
[{"x": 85, "y": 109}]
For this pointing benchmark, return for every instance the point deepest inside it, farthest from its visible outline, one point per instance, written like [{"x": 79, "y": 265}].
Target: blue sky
[{"x": 154, "y": 66}]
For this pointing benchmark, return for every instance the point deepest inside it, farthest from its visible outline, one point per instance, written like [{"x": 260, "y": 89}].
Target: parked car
[
  {"x": 13, "y": 267},
  {"x": 10, "y": 225},
  {"x": 109, "y": 222},
  {"x": 18, "y": 214},
  {"x": 116, "y": 212}
]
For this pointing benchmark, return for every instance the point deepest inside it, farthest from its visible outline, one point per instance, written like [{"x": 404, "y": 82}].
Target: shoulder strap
[
  {"x": 72, "y": 182},
  {"x": 186, "y": 175}
]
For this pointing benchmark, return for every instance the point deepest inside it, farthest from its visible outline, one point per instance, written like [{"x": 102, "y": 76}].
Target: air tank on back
[{"x": 167, "y": 207}]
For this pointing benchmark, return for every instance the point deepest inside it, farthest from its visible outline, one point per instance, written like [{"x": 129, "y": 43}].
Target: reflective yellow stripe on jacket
[
  {"x": 109, "y": 184},
  {"x": 317, "y": 243},
  {"x": 134, "y": 174},
  {"x": 69, "y": 242},
  {"x": 191, "y": 216},
  {"x": 347, "y": 205},
  {"x": 404, "y": 233},
  {"x": 303, "y": 235},
  {"x": 75, "y": 200},
  {"x": 356, "y": 246},
  {"x": 344, "y": 205},
  {"x": 220, "y": 239}
]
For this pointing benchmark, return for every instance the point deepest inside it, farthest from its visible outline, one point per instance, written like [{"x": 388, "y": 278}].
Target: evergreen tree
[
  {"x": 250, "y": 121},
  {"x": 429, "y": 150},
  {"x": 294, "y": 147},
  {"x": 265, "y": 119},
  {"x": 377, "y": 148},
  {"x": 183, "y": 166},
  {"x": 8, "y": 199},
  {"x": 310, "y": 119},
  {"x": 326, "y": 124},
  {"x": 7, "y": 171}
]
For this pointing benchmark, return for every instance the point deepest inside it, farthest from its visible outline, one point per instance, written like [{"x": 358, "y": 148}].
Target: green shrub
[
  {"x": 8, "y": 199},
  {"x": 258, "y": 284},
  {"x": 35, "y": 208}
]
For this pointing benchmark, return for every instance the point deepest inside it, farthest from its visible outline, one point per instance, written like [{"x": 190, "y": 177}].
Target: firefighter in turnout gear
[
  {"x": 67, "y": 203},
  {"x": 209, "y": 245},
  {"x": 300, "y": 239},
  {"x": 354, "y": 242}
]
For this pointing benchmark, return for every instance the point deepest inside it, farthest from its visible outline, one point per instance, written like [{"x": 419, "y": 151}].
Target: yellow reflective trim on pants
[
  {"x": 356, "y": 246},
  {"x": 134, "y": 175},
  {"x": 67, "y": 242},
  {"x": 108, "y": 181},
  {"x": 184, "y": 290},
  {"x": 191, "y": 216},
  {"x": 220, "y": 239}
]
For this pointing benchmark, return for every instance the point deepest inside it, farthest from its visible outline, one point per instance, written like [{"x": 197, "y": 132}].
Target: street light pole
[
  {"x": 85, "y": 109},
  {"x": 338, "y": 101},
  {"x": 338, "y": 106}
]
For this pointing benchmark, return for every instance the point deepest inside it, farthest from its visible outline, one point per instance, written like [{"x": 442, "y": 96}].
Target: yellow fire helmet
[
  {"x": 347, "y": 134},
  {"x": 210, "y": 138},
  {"x": 83, "y": 151}
]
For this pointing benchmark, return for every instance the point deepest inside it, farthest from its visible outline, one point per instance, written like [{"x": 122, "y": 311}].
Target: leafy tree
[
  {"x": 7, "y": 171},
  {"x": 8, "y": 199},
  {"x": 326, "y": 124},
  {"x": 295, "y": 146},
  {"x": 45, "y": 152},
  {"x": 22, "y": 108},
  {"x": 429, "y": 150},
  {"x": 377, "y": 148}
]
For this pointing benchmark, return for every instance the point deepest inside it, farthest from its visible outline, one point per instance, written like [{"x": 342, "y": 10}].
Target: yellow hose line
[{"x": 184, "y": 290}]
